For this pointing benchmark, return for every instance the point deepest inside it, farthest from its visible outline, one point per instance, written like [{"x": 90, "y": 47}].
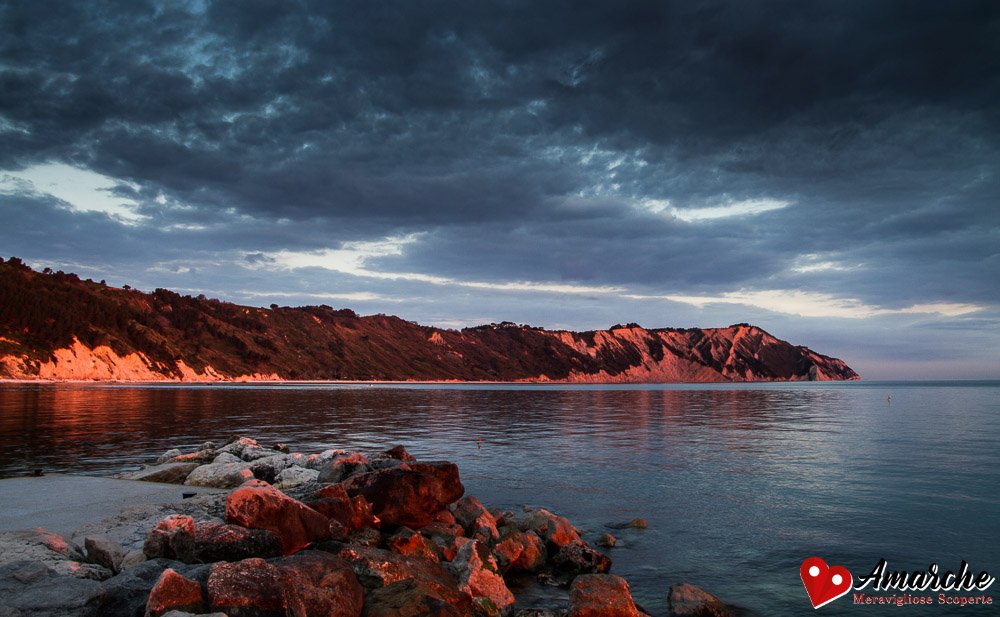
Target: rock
[
  {"x": 268, "y": 467},
  {"x": 31, "y": 589},
  {"x": 412, "y": 543},
  {"x": 309, "y": 583},
  {"x": 601, "y": 595},
  {"x": 607, "y": 540},
  {"x": 125, "y": 595},
  {"x": 174, "y": 591},
  {"x": 378, "y": 568},
  {"x": 555, "y": 530},
  {"x": 248, "y": 588},
  {"x": 168, "y": 456},
  {"x": 477, "y": 574},
  {"x": 408, "y": 598},
  {"x": 400, "y": 454},
  {"x": 132, "y": 559},
  {"x": 169, "y": 473},
  {"x": 223, "y": 475},
  {"x": 447, "y": 539},
  {"x": 201, "y": 457},
  {"x": 687, "y": 600},
  {"x": 409, "y": 495},
  {"x": 264, "y": 507},
  {"x": 321, "y": 460},
  {"x": 540, "y": 612},
  {"x": 104, "y": 551},
  {"x": 238, "y": 445},
  {"x": 281, "y": 447},
  {"x": 187, "y": 614},
  {"x": 580, "y": 558},
  {"x": 173, "y": 538},
  {"x": 333, "y": 502},
  {"x": 291, "y": 477},
  {"x": 226, "y": 457},
  {"x": 520, "y": 551},
  {"x": 321, "y": 584},
  {"x": 477, "y": 522},
  {"x": 50, "y": 550},
  {"x": 221, "y": 542},
  {"x": 343, "y": 467},
  {"x": 636, "y": 523}
]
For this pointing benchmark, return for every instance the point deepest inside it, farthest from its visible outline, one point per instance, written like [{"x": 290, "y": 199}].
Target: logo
[{"x": 823, "y": 583}]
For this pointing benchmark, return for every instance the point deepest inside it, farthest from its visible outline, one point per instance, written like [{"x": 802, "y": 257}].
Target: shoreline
[{"x": 396, "y": 533}]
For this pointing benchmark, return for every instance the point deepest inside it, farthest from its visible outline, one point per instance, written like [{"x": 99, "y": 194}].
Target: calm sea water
[{"x": 739, "y": 483}]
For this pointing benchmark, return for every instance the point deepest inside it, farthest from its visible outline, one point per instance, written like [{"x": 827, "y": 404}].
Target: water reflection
[{"x": 739, "y": 483}]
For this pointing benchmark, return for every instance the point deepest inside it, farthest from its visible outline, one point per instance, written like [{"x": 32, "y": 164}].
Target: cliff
[{"x": 54, "y": 325}]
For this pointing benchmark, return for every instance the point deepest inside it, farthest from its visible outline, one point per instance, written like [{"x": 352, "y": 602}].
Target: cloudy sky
[{"x": 826, "y": 170}]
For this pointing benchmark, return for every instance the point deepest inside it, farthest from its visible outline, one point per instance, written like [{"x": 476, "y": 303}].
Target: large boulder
[
  {"x": 378, "y": 568},
  {"x": 174, "y": 591},
  {"x": 306, "y": 584},
  {"x": 556, "y": 530},
  {"x": 400, "y": 454},
  {"x": 291, "y": 477},
  {"x": 408, "y": 542},
  {"x": 170, "y": 473},
  {"x": 32, "y": 589},
  {"x": 264, "y": 507},
  {"x": 601, "y": 595},
  {"x": 687, "y": 600},
  {"x": 408, "y": 598},
  {"x": 126, "y": 594},
  {"x": 104, "y": 551},
  {"x": 343, "y": 467},
  {"x": 476, "y": 520},
  {"x": 333, "y": 502},
  {"x": 409, "y": 495},
  {"x": 222, "y": 475},
  {"x": 477, "y": 574},
  {"x": 172, "y": 538},
  {"x": 222, "y": 542}
]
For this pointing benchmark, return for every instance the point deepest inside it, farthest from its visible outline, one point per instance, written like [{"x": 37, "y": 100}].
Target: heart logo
[{"x": 823, "y": 583}]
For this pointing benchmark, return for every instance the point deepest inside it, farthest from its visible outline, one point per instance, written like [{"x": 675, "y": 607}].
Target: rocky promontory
[{"x": 334, "y": 533}]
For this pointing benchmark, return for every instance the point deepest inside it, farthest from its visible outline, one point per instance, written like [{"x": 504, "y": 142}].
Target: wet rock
[
  {"x": 173, "y": 538},
  {"x": 477, "y": 574},
  {"x": 580, "y": 558},
  {"x": 264, "y": 507},
  {"x": 281, "y": 447},
  {"x": 408, "y": 598},
  {"x": 556, "y": 530},
  {"x": 343, "y": 467},
  {"x": 31, "y": 589},
  {"x": 520, "y": 551},
  {"x": 353, "y": 513},
  {"x": 291, "y": 477},
  {"x": 222, "y": 542},
  {"x": 475, "y": 520},
  {"x": 636, "y": 523},
  {"x": 248, "y": 588},
  {"x": 601, "y": 595},
  {"x": 104, "y": 551},
  {"x": 168, "y": 456},
  {"x": 412, "y": 543},
  {"x": 399, "y": 453},
  {"x": 169, "y": 473},
  {"x": 174, "y": 591},
  {"x": 687, "y": 600},
  {"x": 607, "y": 540},
  {"x": 223, "y": 475},
  {"x": 409, "y": 495}
]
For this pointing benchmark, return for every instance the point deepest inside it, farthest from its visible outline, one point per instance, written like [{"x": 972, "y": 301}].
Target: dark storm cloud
[{"x": 526, "y": 141}]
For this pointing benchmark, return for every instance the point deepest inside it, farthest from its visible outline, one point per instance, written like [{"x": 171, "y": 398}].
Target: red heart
[{"x": 823, "y": 583}]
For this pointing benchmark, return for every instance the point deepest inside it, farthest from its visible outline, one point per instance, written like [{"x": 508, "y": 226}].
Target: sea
[{"x": 739, "y": 483}]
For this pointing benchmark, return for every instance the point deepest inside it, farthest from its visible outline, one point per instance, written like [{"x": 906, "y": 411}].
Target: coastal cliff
[{"x": 54, "y": 325}]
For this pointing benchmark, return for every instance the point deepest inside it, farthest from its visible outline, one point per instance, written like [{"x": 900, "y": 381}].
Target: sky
[{"x": 825, "y": 170}]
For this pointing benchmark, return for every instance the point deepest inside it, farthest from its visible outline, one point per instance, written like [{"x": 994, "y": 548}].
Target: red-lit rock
[
  {"x": 400, "y": 454},
  {"x": 477, "y": 574},
  {"x": 601, "y": 595},
  {"x": 409, "y": 495},
  {"x": 265, "y": 507},
  {"x": 174, "y": 591},
  {"x": 687, "y": 600},
  {"x": 219, "y": 542},
  {"x": 556, "y": 530},
  {"x": 520, "y": 551},
  {"x": 173, "y": 538},
  {"x": 333, "y": 502},
  {"x": 320, "y": 584},
  {"x": 377, "y": 568},
  {"x": 412, "y": 543},
  {"x": 343, "y": 467},
  {"x": 476, "y": 520},
  {"x": 409, "y": 598},
  {"x": 249, "y": 588}
]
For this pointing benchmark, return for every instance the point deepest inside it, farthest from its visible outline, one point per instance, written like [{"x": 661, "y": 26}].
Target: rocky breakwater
[{"x": 338, "y": 534}]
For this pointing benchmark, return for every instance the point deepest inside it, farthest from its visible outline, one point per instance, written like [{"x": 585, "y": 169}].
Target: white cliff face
[{"x": 81, "y": 363}]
